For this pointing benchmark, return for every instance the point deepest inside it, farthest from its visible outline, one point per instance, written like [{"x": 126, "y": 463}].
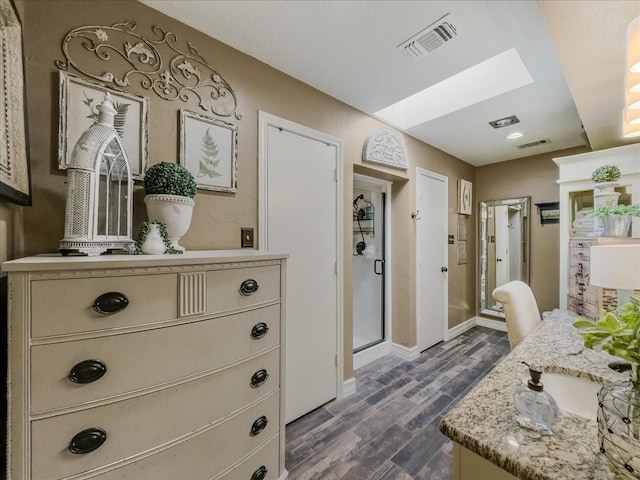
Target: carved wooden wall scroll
[
  {"x": 158, "y": 64},
  {"x": 384, "y": 146}
]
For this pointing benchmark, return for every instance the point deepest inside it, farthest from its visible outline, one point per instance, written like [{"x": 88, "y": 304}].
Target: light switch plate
[{"x": 246, "y": 237}]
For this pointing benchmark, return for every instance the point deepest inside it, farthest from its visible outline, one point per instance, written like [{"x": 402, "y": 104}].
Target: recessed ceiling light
[
  {"x": 497, "y": 75},
  {"x": 515, "y": 135},
  {"x": 504, "y": 122}
]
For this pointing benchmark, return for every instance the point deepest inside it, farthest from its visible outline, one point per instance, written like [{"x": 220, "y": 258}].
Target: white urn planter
[
  {"x": 174, "y": 211},
  {"x": 604, "y": 195}
]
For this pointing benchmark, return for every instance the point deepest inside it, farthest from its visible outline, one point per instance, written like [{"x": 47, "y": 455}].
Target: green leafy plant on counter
[
  {"x": 633, "y": 210},
  {"x": 145, "y": 227},
  {"x": 605, "y": 174},
  {"x": 616, "y": 332},
  {"x": 169, "y": 179}
]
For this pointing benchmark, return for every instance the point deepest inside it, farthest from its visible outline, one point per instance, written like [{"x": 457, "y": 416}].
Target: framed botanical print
[
  {"x": 15, "y": 182},
  {"x": 78, "y": 101},
  {"x": 208, "y": 149}
]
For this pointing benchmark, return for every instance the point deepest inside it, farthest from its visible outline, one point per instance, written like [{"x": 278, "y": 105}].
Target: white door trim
[
  {"x": 266, "y": 120},
  {"x": 445, "y": 326},
  {"x": 366, "y": 356}
]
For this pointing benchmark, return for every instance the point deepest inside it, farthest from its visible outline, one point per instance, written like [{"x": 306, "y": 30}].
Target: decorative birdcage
[{"x": 99, "y": 191}]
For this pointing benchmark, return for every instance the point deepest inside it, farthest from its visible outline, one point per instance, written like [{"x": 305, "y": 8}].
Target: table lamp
[{"x": 616, "y": 266}]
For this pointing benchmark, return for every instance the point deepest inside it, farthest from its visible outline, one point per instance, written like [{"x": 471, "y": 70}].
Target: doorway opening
[{"x": 371, "y": 324}]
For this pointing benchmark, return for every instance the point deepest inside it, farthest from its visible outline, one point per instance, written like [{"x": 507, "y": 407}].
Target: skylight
[{"x": 488, "y": 79}]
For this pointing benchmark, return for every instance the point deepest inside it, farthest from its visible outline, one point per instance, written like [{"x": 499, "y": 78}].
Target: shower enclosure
[{"x": 368, "y": 251}]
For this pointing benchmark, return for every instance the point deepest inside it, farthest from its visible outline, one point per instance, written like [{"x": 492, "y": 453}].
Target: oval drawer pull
[
  {"x": 259, "y": 330},
  {"x": 87, "y": 371},
  {"x": 260, "y": 473},
  {"x": 248, "y": 287},
  {"x": 259, "y": 378},
  {"x": 259, "y": 425},
  {"x": 110, "y": 303},
  {"x": 87, "y": 440}
]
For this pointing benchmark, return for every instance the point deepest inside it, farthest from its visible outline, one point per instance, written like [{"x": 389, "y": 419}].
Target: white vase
[
  {"x": 604, "y": 195},
  {"x": 172, "y": 210},
  {"x": 153, "y": 243}
]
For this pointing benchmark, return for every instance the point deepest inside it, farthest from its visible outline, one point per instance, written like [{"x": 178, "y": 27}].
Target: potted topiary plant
[
  {"x": 605, "y": 179},
  {"x": 617, "y": 333},
  {"x": 616, "y": 219},
  {"x": 170, "y": 189}
]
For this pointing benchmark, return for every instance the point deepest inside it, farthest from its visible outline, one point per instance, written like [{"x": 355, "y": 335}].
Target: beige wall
[
  {"x": 218, "y": 217},
  {"x": 535, "y": 177}
]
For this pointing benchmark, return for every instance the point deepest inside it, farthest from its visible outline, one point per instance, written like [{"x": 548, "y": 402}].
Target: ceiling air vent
[
  {"x": 432, "y": 37},
  {"x": 544, "y": 141}
]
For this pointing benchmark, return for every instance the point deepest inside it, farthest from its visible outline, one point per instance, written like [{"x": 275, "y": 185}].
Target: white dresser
[{"x": 146, "y": 367}]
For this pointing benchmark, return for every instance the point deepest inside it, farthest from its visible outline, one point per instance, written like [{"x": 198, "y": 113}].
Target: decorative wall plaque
[
  {"x": 384, "y": 146},
  {"x": 158, "y": 64}
]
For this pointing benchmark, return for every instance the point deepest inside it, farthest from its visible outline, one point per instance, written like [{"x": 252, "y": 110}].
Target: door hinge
[
  {"x": 335, "y": 174},
  {"x": 335, "y": 268},
  {"x": 336, "y": 359}
]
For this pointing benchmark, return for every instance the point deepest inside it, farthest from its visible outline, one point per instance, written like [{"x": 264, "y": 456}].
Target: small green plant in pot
[
  {"x": 606, "y": 174},
  {"x": 618, "y": 333},
  {"x": 616, "y": 219},
  {"x": 170, "y": 189}
]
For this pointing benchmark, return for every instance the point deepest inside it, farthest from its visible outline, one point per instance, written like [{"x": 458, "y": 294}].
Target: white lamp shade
[{"x": 615, "y": 266}]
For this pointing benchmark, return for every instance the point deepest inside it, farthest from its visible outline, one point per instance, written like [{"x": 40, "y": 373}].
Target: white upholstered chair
[{"x": 520, "y": 308}]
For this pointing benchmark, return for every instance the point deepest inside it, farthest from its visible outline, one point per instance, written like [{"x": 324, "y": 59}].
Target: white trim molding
[
  {"x": 489, "y": 323},
  {"x": 348, "y": 387},
  {"x": 371, "y": 354},
  {"x": 407, "y": 353},
  {"x": 458, "y": 329}
]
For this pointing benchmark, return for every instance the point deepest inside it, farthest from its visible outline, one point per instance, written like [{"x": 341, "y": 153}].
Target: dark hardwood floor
[{"x": 388, "y": 430}]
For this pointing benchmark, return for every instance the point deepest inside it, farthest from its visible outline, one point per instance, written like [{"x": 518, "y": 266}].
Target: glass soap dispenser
[{"x": 535, "y": 408}]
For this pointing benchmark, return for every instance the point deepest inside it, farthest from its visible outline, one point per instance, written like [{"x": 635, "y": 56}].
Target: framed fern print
[
  {"x": 78, "y": 101},
  {"x": 208, "y": 149}
]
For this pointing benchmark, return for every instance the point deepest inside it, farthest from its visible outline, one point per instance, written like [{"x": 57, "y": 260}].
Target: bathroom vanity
[{"x": 488, "y": 445}]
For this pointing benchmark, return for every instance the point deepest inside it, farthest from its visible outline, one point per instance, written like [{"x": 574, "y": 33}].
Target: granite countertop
[{"x": 483, "y": 420}]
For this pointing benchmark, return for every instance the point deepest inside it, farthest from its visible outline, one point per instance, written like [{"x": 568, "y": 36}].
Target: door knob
[{"x": 444, "y": 269}]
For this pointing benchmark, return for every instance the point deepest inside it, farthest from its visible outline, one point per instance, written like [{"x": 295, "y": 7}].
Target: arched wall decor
[
  {"x": 181, "y": 75},
  {"x": 384, "y": 146}
]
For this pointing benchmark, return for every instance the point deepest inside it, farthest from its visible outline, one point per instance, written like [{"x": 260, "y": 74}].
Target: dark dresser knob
[
  {"x": 87, "y": 371},
  {"x": 110, "y": 303},
  {"x": 258, "y": 378},
  {"x": 259, "y": 330},
  {"x": 87, "y": 440},
  {"x": 259, "y": 425},
  {"x": 249, "y": 287},
  {"x": 260, "y": 473}
]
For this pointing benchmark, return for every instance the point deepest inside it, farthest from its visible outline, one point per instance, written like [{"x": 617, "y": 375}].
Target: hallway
[{"x": 388, "y": 430}]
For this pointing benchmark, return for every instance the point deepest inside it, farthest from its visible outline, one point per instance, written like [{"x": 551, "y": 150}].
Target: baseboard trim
[
  {"x": 370, "y": 354},
  {"x": 407, "y": 353},
  {"x": 494, "y": 324},
  {"x": 348, "y": 387},
  {"x": 463, "y": 327}
]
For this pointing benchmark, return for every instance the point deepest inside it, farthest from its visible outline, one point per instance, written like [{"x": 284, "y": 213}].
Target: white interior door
[
  {"x": 301, "y": 220},
  {"x": 431, "y": 227}
]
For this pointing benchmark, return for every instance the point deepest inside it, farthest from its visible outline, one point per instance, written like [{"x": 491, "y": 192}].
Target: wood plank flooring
[{"x": 388, "y": 430}]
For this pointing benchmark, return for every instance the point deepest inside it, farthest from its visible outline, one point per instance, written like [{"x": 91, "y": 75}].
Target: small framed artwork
[
  {"x": 464, "y": 197},
  {"x": 462, "y": 227},
  {"x": 78, "y": 101},
  {"x": 209, "y": 150},
  {"x": 462, "y": 252},
  {"x": 15, "y": 182}
]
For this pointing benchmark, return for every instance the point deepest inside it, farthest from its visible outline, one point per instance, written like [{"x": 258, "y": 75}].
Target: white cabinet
[
  {"x": 141, "y": 368},
  {"x": 576, "y": 190}
]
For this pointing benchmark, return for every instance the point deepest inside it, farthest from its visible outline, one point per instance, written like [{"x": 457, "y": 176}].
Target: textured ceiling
[{"x": 347, "y": 49}]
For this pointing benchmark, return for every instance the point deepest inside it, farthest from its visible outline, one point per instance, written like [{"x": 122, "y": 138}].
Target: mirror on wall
[{"x": 504, "y": 248}]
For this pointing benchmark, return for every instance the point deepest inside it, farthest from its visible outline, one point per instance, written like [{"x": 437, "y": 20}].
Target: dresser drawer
[
  {"x": 144, "y": 359},
  {"x": 224, "y": 287},
  {"x": 142, "y": 423},
  {"x": 579, "y": 258},
  {"x": 201, "y": 457},
  {"x": 266, "y": 458},
  {"x": 66, "y": 305}
]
